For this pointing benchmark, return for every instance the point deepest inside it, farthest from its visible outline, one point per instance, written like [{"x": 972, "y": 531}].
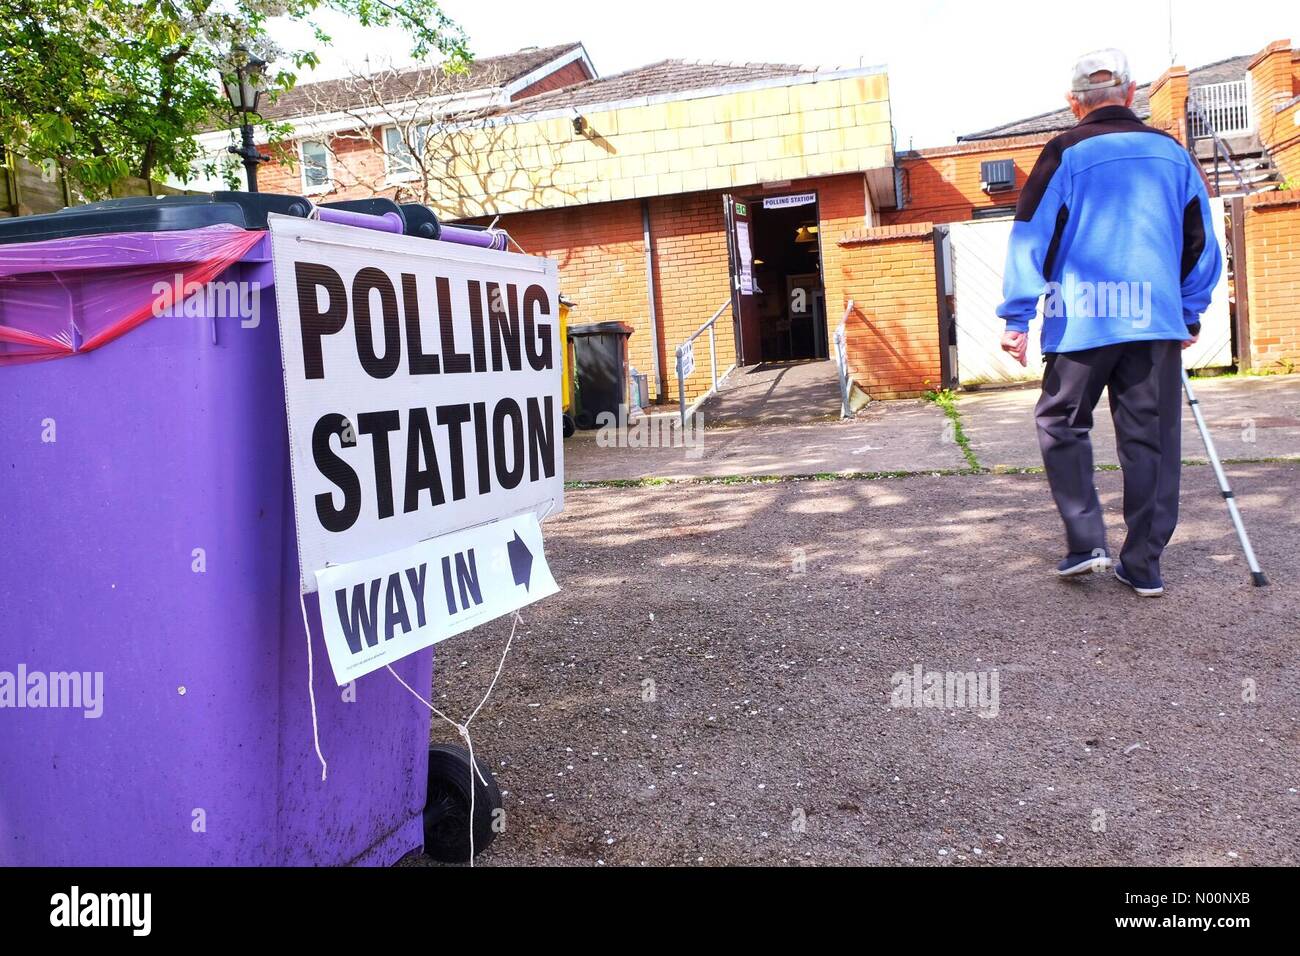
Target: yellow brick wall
[{"x": 822, "y": 128}]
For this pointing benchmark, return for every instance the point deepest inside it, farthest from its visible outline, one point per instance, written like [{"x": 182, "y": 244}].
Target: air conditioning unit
[{"x": 997, "y": 175}]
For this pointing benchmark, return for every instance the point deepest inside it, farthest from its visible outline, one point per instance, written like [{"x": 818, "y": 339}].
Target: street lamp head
[{"x": 244, "y": 89}]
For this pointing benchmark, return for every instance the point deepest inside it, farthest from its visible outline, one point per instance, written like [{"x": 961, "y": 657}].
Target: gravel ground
[{"x": 1122, "y": 735}]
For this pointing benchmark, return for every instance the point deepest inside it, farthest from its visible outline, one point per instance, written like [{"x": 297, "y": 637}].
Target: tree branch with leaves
[{"x": 112, "y": 88}]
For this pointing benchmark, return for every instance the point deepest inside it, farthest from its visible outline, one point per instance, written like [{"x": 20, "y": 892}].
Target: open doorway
[{"x": 785, "y": 317}]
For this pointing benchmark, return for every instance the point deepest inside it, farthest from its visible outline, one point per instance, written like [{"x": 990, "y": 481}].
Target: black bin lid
[
  {"x": 153, "y": 214},
  {"x": 600, "y": 328}
]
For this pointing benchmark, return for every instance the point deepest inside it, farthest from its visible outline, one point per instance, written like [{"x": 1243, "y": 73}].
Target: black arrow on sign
[{"x": 521, "y": 561}]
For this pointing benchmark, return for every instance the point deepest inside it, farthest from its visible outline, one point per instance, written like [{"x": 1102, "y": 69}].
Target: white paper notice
[{"x": 746, "y": 259}]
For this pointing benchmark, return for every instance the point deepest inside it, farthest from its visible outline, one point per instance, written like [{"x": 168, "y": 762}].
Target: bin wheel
[
  {"x": 569, "y": 426},
  {"x": 446, "y": 810}
]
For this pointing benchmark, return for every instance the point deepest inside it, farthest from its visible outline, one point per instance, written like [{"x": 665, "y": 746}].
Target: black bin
[{"x": 599, "y": 369}]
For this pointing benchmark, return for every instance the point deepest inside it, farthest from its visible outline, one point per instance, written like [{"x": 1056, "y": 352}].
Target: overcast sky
[{"x": 955, "y": 66}]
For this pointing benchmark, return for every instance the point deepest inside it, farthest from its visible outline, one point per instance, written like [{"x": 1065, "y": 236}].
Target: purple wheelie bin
[{"x": 148, "y": 569}]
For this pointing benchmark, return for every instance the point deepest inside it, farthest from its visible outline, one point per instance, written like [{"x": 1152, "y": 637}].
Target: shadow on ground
[{"x": 1127, "y": 732}]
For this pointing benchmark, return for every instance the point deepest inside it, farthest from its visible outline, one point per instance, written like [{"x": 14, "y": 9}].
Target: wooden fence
[{"x": 27, "y": 188}]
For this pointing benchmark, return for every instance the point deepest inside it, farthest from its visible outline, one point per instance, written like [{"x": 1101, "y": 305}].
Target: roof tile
[
  {"x": 483, "y": 73},
  {"x": 655, "y": 79}
]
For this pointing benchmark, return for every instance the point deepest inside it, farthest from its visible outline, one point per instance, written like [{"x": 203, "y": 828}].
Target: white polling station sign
[
  {"x": 422, "y": 381},
  {"x": 785, "y": 202},
  {"x": 378, "y": 610}
]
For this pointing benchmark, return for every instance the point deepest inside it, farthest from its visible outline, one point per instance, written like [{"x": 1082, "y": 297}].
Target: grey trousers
[{"x": 1145, "y": 384}]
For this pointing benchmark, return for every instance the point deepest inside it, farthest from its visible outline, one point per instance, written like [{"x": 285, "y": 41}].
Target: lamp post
[{"x": 244, "y": 91}]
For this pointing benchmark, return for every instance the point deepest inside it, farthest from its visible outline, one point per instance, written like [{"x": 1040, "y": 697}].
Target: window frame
[
  {"x": 328, "y": 166},
  {"x": 394, "y": 170}
]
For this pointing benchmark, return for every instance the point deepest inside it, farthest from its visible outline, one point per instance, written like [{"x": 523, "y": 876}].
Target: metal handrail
[
  {"x": 686, "y": 348},
  {"x": 1218, "y": 144},
  {"x": 842, "y": 360}
]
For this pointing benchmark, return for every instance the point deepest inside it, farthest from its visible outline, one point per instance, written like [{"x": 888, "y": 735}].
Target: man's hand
[
  {"x": 1017, "y": 345},
  {"x": 1186, "y": 345}
]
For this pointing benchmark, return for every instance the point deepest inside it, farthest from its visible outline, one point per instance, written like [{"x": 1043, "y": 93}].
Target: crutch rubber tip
[{"x": 1257, "y": 578}]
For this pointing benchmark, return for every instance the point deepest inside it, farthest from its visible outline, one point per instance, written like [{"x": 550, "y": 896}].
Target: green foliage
[
  {"x": 946, "y": 399},
  {"x": 109, "y": 88}
]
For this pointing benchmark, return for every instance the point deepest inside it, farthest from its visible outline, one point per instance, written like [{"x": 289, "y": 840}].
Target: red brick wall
[
  {"x": 1275, "y": 80},
  {"x": 277, "y": 176},
  {"x": 692, "y": 278},
  {"x": 601, "y": 255},
  {"x": 1273, "y": 276},
  {"x": 893, "y": 330},
  {"x": 566, "y": 75},
  {"x": 943, "y": 184},
  {"x": 356, "y": 165}
]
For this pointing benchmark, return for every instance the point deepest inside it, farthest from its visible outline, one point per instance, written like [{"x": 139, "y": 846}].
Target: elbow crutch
[{"x": 1256, "y": 575}]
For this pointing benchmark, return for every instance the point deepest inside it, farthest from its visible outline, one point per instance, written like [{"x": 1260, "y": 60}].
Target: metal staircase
[{"x": 1222, "y": 138}]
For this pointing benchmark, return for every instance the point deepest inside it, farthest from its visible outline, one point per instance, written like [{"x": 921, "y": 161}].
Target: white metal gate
[{"x": 978, "y": 253}]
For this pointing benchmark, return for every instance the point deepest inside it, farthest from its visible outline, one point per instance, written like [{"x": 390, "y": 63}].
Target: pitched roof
[
  {"x": 656, "y": 79},
  {"x": 483, "y": 73},
  {"x": 1221, "y": 71}
]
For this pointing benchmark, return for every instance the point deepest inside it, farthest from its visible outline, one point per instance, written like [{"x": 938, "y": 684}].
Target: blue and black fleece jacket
[{"x": 1113, "y": 231}]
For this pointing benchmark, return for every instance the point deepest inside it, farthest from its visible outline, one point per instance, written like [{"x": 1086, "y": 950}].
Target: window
[
  {"x": 992, "y": 212},
  {"x": 315, "y": 166},
  {"x": 397, "y": 154}
]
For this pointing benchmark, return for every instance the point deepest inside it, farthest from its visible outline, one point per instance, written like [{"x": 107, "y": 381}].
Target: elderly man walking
[{"x": 1113, "y": 232}]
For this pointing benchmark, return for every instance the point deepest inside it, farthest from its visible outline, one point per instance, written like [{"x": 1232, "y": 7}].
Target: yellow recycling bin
[{"x": 566, "y": 365}]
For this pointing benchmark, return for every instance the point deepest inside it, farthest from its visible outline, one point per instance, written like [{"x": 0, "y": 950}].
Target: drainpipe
[{"x": 650, "y": 297}]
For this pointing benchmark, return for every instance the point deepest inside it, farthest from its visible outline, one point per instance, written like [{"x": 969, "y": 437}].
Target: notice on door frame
[{"x": 746, "y": 276}]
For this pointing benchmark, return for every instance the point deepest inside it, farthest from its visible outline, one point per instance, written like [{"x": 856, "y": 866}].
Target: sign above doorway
[{"x": 785, "y": 202}]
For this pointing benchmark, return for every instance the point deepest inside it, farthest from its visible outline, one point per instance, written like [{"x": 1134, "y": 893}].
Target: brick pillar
[
  {"x": 893, "y": 333},
  {"x": 1273, "y": 268},
  {"x": 1169, "y": 103},
  {"x": 1273, "y": 83}
]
